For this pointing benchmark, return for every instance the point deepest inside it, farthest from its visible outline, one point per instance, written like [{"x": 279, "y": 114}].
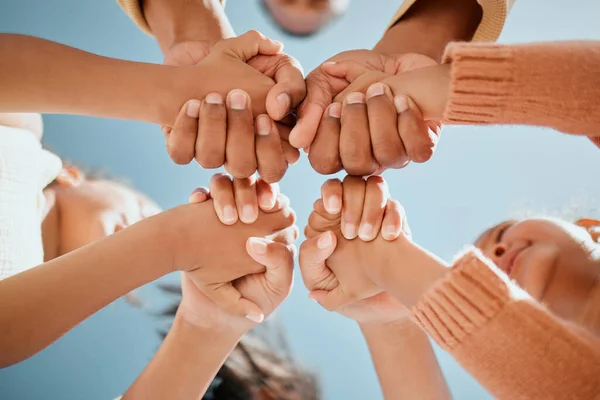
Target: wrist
[
  {"x": 177, "y": 21},
  {"x": 378, "y": 327},
  {"x": 410, "y": 273},
  {"x": 189, "y": 331},
  {"x": 429, "y": 25}
]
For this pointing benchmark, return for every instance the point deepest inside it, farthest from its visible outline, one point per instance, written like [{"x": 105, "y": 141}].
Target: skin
[
  {"x": 305, "y": 17},
  {"x": 360, "y": 133},
  {"x": 555, "y": 261},
  {"x": 401, "y": 352}
]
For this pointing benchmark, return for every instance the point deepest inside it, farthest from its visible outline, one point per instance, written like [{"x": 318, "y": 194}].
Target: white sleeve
[{"x": 25, "y": 169}]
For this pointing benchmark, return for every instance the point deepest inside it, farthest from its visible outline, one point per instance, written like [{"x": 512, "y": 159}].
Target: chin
[{"x": 535, "y": 269}]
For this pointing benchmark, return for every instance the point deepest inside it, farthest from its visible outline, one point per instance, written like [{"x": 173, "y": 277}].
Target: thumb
[
  {"x": 331, "y": 300},
  {"x": 278, "y": 260},
  {"x": 320, "y": 90},
  {"x": 199, "y": 195},
  {"x": 313, "y": 254},
  {"x": 289, "y": 89},
  {"x": 348, "y": 70},
  {"x": 250, "y": 44}
]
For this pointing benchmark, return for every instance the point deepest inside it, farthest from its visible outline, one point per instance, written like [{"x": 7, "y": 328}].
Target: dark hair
[{"x": 256, "y": 370}]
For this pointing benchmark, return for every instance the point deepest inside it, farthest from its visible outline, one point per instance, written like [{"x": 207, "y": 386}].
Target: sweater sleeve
[
  {"x": 514, "y": 347},
  {"x": 492, "y": 20},
  {"x": 555, "y": 84},
  {"x": 25, "y": 169}
]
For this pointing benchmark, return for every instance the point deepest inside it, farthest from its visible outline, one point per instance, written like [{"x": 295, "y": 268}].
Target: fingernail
[
  {"x": 238, "y": 100},
  {"x": 256, "y": 318},
  {"x": 335, "y": 110},
  {"x": 263, "y": 125},
  {"x": 329, "y": 63},
  {"x": 200, "y": 190},
  {"x": 376, "y": 89},
  {"x": 324, "y": 241},
  {"x": 266, "y": 201},
  {"x": 366, "y": 232},
  {"x": 248, "y": 213},
  {"x": 401, "y": 103},
  {"x": 258, "y": 246},
  {"x": 333, "y": 204},
  {"x": 229, "y": 215},
  {"x": 193, "y": 108},
  {"x": 355, "y": 98},
  {"x": 312, "y": 298},
  {"x": 214, "y": 98},
  {"x": 350, "y": 231},
  {"x": 284, "y": 101},
  {"x": 390, "y": 231}
]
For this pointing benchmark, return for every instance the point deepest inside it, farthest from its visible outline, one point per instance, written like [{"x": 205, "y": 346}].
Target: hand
[
  {"x": 341, "y": 283},
  {"x": 267, "y": 289},
  {"x": 333, "y": 145},
  {"x": 202, "y": 128},
  {"x": 215, "y": 254}
]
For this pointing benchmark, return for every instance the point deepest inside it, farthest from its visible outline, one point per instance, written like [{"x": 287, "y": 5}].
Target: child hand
[
  {"x": 216, "y": 134},
  {"x": 396, "y": 125},
  {"x": 215, "y": 254},
  {"x": 358, "y": 207}
]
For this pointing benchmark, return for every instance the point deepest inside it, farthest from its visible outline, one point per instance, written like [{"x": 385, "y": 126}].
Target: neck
[{"x": 51, "y": 226}]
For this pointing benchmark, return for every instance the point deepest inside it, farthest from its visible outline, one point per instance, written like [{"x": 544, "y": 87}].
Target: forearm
[
  {"x": 176, "y": 21},
  {"x": 185, "y": 364},
  {"x": 429, "y": 25},
  {"x": 41, "y": 76},
  {"x": 43, "y": 303},
  {"x": 405, "y": 362}
]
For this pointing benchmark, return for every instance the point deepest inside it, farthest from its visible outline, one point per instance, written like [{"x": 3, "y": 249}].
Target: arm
[
  {"x": 43, "y": 303},
  {"x": 177, "y": 21},
  {"x": 511, "y": 345},
  {"x": 429, "y": 25},
  {"x": 544, "y": 84},
  {"x": 185, "y": 364},
  {"x": 404, "y": 361},
  {"x": 41, "y": 76}
]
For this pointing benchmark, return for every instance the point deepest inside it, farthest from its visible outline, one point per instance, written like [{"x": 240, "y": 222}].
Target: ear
[
  {"x": 592, "y": 226},
  {"x": 70, "y": 177}
]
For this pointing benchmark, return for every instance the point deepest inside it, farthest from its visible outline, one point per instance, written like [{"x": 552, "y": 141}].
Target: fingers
[
  {"x": 246, "y": 200},
  {"x": 312, "y": 256},
  {"x": 348, "y": 70},
  {"x": 353, "y": 201},
  {"x": 267, "y": 194},
  {"x": 287, "y": 236},
  {"x": 239, "y": 154},
  {"x": 199, "y": 195},
  {"x": 331, "y": 192},
  {"x": 388, "y": 148},
  {"x": 376, "y": 195},
  {"x": 181, "y": 140},
  {"x": 324, "y": 156},
  {"x": 393, "y": 220},
  {"x": 418, "y": 140},
  {"x": 289, "y": 89},
  {"x": 230, "y": 299},
  {"x": 248, "y": 45},
  {"x": 355, "y": 141},
  {"x": 278, "y": 260},
  {"x": 212, "y": 132},
  {"x": 221, "y": 189},
  {"x": 331, "y": 300},
  {"x": 320, "y": 89},
  {"x": 271, "y": 161},
  {"x": 292, "y": 154}
]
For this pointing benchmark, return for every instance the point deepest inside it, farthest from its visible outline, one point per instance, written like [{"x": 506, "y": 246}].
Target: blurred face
[
  {"x": 304, "y": 17},
  {"x": 89, "y": 210},
  {"x": 553, "y": 260}
]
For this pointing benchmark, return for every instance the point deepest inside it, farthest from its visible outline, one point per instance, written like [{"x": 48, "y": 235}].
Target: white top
[{"x": 25, "y": 169}]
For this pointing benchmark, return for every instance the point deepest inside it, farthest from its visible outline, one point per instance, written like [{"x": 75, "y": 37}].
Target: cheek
[
  {"x": 535, "y": 269},
  {"x": 80, "y": 230}
]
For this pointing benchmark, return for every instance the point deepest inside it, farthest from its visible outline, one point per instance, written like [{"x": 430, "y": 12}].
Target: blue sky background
[{"x": 478, "y": 177}]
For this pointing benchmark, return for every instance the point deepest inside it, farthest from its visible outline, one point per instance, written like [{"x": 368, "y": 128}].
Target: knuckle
[
  {"x": 421, "y": 153},
  {"x": 325, "y": 163},
  {"x": 273, "y": 174},
  {"x": 209, "y": 160}
]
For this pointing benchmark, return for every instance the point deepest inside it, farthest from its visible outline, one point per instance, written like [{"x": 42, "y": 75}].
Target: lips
[{"x": 507, "y": 264}]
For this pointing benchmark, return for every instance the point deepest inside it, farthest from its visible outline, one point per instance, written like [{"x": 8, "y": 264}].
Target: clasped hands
[{"x": 361, "y": 111}]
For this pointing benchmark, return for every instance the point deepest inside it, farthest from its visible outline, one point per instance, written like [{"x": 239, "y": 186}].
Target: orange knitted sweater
[
  {"x": 554, "y": 84},
  {"x": 511, "y": 344}
]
